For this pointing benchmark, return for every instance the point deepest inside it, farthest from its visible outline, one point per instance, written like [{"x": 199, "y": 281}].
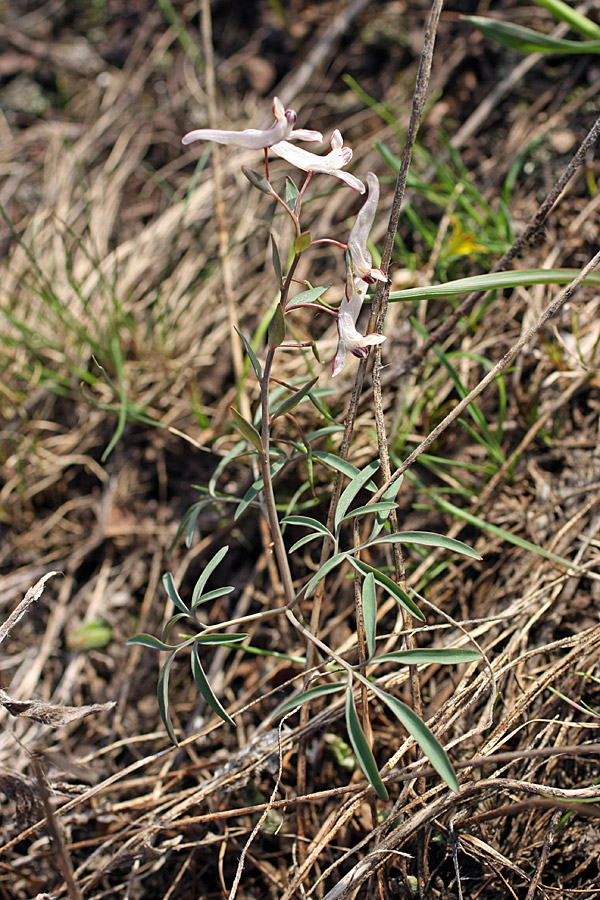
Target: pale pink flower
[
  {"x": 349, "y": 338},
  {"x": 330, "y": 164},
  {"x": 359, "y": 274},
  {"x": 257, "y": 139},
  {"x": 360, "y": 262}
]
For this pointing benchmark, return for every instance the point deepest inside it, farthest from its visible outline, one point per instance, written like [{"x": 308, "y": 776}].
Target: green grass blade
[
  {"x": 565, "y": 13},
  {"x": 501, "y": 532},
  {"x": 492, "y": 281},
  {"x": 526, "y": 40}
]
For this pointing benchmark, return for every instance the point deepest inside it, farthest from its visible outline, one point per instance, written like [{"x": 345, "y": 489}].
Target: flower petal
[{"x": 255, "y": 138}]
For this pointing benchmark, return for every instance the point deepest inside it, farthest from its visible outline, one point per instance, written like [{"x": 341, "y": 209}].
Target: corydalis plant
[{"x": 360, "y": 273}]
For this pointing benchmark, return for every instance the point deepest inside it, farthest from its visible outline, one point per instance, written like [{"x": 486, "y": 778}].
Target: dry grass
[{"x": 112, "y": 257}]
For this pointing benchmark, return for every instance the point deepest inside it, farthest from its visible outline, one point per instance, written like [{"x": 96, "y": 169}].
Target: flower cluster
[{"x": 360, "y": 272}]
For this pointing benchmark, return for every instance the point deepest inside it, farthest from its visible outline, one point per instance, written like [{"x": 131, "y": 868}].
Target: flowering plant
[{"x": 269, "y": 460}]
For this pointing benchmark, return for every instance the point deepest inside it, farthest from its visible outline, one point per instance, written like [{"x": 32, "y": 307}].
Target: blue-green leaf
[
  {"x": 428, "y": 539},
  {"x": 390, "y": 586},
  {"x": 308, "y": 522},
  {"x": 251, "y": 355},
  {"x": 247, "y": 429},
  {"x": 214, "y": 637},
  {"x": 162, "y": 694},
  {"x": 205, "y": 688},
  {"x": 304, "y": 540},
  {"x": 442, "y": 657},
  {"x": 369, "y": 606},
  {"x": 306, "y": 697},
  {"x": 148, "y": 640},
  {"x": 327, "y": 566},
  {"x": 385, "y": 506},
  {"x": 423, "y": 736},
  {"x": 357, "y": 481},
  {"x": 309, "y": 296},
  {"x": 214, "y": 595},
  {"x": 169, "y": 586},
  {"x": 360, "y": 746},
  {"x": 206, "y": 573},
  {"x": 341, "y": 465}
]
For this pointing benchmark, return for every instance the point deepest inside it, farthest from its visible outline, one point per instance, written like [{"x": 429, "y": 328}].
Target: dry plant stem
[
  {"x": 64, "y": 861},
  {"x": 500, "y": 366},
  {"x": 376, "y": 321},
  {"x": 548, "y": 841},
  {"x": 534, "y": 224},
  {"x": 352, "y": 880}
]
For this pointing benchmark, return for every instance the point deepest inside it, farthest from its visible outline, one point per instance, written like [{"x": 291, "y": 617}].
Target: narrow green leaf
[
  {"x": 148, "y": 640},
  {"x": 291, "y": 402},
  {"x": 390, "y": 586},
  {"x": 428, "y": 539},
  {"x": 213, "y": 595},
  {"x": 315, "y": 352},
  {"x": 214, "y": 638},
  {"x": 361, "y": 748},
  {"x": 205, "y": 688},
  {"x": 493, "y": 281},
  {"x": 381, "y": 506},
  {"x": 257, "y": 180},
  {"x": 251, "y": 355},
  {"x": 341, "y": 465},
  {"x": 526, "y": 40},
  {"x": 502, "y": 533},
  {"x": 209, "y": 568},
  {"x": 302, "y": 242},
  {"x": 309, "y": 296},
  {"x": 169, "y": 586},
  {"x": 162, "y": 694},
  {"x": 304, "y": 540},
  {"x": 238, "y": 450},
  {"x": 357, "y": 482},
  {"x": 388, "y": 495},
  {"x": 276, "y": 329},
  {"x": 172, "y": 622},
  {"x": 256, "y": 487},
  {"x": 423, "y": 736},
  {"x": 308, "y": 522},
  {"x": 276, "y": 262},
  {"x": 248, "y": 430},
  {"x": 307, "y": 696},
  {"x": 443, "y": 657},
  {"x": 369, "y": 606},
  {"x": 291, "y": 193},
  {"x": 331, "y": 563},
  {"x": 565, "y": 13}
]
